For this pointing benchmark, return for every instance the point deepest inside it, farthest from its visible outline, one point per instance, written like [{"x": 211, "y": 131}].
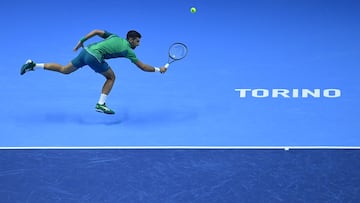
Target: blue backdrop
[{"x": 259, "y": 45}]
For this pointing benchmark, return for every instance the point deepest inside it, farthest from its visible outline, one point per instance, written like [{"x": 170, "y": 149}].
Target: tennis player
[{"x": 94, "y": 55}]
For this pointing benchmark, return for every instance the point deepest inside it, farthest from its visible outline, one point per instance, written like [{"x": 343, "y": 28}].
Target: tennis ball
[{"x": 193, "y": 10}]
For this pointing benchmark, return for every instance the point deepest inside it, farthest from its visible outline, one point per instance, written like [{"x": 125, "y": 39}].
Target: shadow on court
[{"x": 94, "y": 118}]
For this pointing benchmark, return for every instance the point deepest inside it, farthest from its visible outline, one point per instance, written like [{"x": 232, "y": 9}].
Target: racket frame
[{"x": 171, "y": 59}]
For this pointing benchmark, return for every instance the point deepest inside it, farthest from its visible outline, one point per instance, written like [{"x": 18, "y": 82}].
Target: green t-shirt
[{"x": 112, "y": 47}]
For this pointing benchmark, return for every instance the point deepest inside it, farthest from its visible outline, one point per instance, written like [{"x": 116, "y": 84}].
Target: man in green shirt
[{"x": 94, "y": 55}]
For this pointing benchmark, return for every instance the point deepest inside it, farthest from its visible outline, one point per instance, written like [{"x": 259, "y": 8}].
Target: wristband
[
  {"x": 157, "y": 69},
  {"x": 83, "y": 40}
]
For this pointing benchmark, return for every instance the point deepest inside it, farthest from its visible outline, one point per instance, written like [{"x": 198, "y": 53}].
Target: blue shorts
[{"x": 85, "y": 58}]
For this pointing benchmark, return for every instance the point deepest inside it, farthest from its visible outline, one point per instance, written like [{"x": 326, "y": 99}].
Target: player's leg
[
  {"x": 110, "y": 80},
  {"x": 31, "y": 66},
  {"x": 69, "y": 68},
  {"x": 109, "y": 83}
]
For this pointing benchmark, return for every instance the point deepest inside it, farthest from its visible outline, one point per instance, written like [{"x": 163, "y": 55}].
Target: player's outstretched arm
[
  {"x": 148, "y": 68},
  {"x": 88, "y": 36}
]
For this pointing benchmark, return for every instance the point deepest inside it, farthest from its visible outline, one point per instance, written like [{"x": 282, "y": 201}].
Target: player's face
[{"x": 134, "y": 42}]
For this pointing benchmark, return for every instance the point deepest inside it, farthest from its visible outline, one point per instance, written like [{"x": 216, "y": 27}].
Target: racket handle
[{"x": 166, "y": 65}]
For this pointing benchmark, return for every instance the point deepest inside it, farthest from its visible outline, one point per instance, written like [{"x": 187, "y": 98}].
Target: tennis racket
[{"x": 177, "y": 51}]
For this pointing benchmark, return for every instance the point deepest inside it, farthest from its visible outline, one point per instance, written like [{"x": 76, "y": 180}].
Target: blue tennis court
[
  {"x": 258, "y": 73},
  {"x": 221, "y": 94}
]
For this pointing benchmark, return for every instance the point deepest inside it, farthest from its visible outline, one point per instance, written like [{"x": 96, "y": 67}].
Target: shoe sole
[{"x": 100, "y": 111}]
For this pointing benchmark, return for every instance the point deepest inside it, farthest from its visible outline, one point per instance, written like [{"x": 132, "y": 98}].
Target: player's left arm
[
  {"x": 100, "y": 33},
  {"x": 148, "y": 68}
]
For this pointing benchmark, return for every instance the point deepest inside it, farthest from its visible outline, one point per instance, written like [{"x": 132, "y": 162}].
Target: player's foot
[
  {"x": 103, "y": 109},
  {"x": 28, "y": 66}
]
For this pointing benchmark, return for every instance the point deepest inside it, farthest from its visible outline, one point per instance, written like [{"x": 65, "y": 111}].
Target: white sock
[
  {"x": 39, "y": 66},
  {"x": 102, "y": 99}
]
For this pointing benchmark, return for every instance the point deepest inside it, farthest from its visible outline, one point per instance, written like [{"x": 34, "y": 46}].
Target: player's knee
[
  {"x": 65, "y": 71},
  {"x": 68, "y": 69},
  {"x": 113, "y": 77}
]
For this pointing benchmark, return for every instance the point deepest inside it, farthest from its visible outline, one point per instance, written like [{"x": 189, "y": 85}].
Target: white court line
[{"x": 189, "y": 147}]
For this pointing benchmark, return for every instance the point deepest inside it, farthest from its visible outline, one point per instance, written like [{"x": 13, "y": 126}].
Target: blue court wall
[{"x": 177, "y": 175}]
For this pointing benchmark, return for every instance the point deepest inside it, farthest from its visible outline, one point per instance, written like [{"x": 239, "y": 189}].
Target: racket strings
[{"x": 177, "y": 51}]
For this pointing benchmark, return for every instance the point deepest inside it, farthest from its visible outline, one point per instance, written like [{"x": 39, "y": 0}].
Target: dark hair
[{"x": 133, "y": 34}]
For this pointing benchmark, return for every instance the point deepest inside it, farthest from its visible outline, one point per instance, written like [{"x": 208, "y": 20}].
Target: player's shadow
[
  {"x": 93, "y": 118},
  {"x": 144, "y": 118},
  {"x": 159, "y": 116}
]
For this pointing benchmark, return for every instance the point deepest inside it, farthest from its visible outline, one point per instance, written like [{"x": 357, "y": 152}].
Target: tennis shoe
[
  {"x": 28, "y": 66},
  {"x": 103, "y": 109}
]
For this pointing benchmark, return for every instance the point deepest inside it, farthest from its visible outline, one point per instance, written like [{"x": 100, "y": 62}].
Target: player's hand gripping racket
[{"x": 177, "y": 51}]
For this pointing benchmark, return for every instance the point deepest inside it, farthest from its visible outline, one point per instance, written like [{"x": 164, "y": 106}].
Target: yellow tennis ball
[{"x": 193, "y": 10}]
